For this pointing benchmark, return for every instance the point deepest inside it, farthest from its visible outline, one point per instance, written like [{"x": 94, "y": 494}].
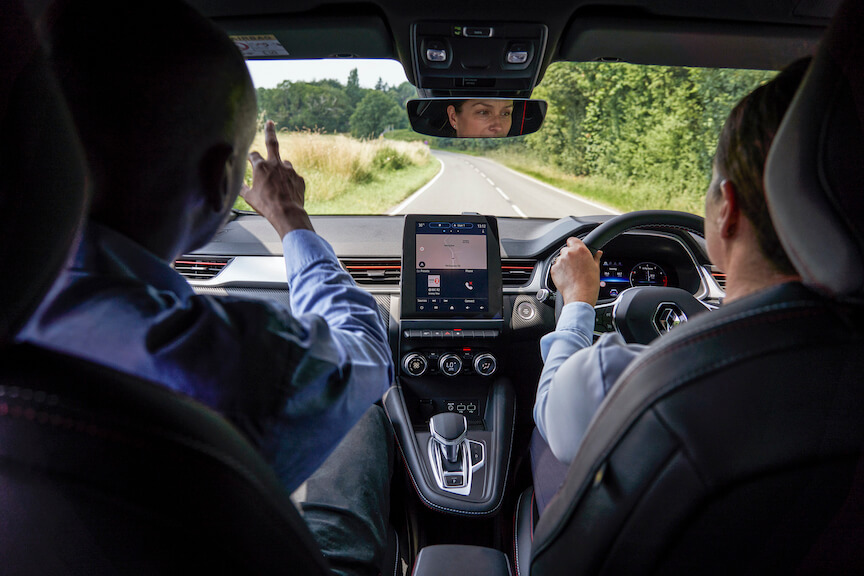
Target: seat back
[
  {"x": 729, "y": 449},
  {"x": 103, "y": 473},
  {"x": 735, "y": 445},
  {"x": 42, "y": 191}
]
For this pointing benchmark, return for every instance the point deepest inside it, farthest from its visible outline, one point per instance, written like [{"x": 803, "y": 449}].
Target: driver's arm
[{"x": 564, "y": 407}]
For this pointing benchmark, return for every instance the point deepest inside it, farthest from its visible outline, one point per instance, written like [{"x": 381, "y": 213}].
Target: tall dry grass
[{"x": 335, "y": 165}]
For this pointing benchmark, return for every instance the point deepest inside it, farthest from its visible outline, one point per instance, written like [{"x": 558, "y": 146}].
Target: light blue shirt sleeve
[
  {"x": 565, "y": 406},
  {"x": 320, "y": 286},
  {"x": 343, "y": 330}
]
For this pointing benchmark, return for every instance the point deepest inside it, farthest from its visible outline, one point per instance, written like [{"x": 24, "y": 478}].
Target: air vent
[
  {"x": 374, "y": 272},
  {"x": 719, "y": 277},
  {"x": 200, "y": 267},
  {"x": 516, "y": 272}
]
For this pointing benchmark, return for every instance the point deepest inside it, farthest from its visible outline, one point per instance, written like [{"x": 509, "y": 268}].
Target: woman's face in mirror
[{"x": 477, "y": 118}]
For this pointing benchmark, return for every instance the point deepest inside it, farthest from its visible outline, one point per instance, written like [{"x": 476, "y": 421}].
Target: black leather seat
[
  {"x": 101, "y": 473},
  {"x": 735, "y": 446}
]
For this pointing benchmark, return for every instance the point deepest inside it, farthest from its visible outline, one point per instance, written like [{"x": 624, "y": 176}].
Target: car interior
[{"x": 735, "y": 447}]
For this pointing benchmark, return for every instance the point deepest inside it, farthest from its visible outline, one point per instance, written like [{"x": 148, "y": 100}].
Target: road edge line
[{"x": 395, "y": 211}]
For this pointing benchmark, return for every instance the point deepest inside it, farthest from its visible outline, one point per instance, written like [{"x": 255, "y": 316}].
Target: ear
[
  {"x": 451, "y": 115},
  {"x": 215, "y": 175},
  {"x": 729, "y": 213}
]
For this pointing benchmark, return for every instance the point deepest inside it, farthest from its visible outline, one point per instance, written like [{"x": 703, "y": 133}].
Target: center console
[{"x": 452, "y": 413}]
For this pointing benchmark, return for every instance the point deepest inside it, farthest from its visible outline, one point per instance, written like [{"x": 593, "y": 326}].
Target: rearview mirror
[{"x": 476, "y": 117}]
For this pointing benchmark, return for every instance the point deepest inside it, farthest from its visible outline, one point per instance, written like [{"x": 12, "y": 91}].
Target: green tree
[
  {"x": 376, "y": 113},
  {"x": 353, "y": 89},
  {"x": 323, "y": 105},
  {"x": 629, "y": 123}
]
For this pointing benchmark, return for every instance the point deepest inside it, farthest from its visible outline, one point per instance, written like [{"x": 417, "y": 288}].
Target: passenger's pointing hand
[{"x": 277, "y": 192}]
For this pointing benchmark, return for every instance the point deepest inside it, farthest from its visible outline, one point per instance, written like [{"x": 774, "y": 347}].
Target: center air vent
[
  {"x": 374, "y": 272},
  {"x": 200, "y": 267},
  {"x": 516, "y": 272}
]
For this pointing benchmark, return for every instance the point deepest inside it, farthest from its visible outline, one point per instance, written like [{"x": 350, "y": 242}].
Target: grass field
[
  {"x": 349, "y": 176},
  {"x": 622, "y": 196}
]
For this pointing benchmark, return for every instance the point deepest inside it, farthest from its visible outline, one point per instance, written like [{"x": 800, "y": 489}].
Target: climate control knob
[
  {"x": 414, "y": 364},
  {"x": 485, "y": 364},
  {"x": 450, "y": 364}
]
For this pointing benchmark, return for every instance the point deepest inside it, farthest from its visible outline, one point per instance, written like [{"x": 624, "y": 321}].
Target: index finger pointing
[{"x": 271, "y": 142}]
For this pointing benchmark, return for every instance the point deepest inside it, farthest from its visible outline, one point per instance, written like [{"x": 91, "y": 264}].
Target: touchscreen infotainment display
[{"x": 451, "y": 266}]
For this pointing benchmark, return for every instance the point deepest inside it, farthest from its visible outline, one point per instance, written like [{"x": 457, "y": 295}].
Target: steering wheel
[{"x": 641, "y": 314}]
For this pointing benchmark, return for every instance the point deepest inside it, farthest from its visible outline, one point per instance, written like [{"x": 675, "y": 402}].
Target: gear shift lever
[{"x": 448, "y": 431}]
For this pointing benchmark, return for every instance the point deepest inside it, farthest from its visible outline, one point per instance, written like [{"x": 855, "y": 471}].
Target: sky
[{"x": 269, "y": 73}]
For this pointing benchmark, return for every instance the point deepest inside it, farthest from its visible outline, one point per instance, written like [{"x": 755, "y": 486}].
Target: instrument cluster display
[{"x": 618, "y": 275}]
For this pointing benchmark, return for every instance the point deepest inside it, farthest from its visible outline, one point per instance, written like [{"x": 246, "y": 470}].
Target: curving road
[{"x": 473, "y": 184}]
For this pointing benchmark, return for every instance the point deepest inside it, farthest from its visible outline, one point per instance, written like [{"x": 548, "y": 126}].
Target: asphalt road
[{"x": 473, "y": 184}]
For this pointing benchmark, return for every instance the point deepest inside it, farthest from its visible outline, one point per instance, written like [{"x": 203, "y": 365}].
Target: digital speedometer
[{"x": 648, "y": 274}]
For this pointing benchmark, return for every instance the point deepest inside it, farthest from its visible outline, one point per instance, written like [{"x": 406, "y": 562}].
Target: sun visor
[{"x": 683, "y": 43}]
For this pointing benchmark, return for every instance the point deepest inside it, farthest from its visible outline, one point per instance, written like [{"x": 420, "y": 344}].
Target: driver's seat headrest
[
  {"x": 814, "y": 178},
  {"x": 43, "y": 190}
]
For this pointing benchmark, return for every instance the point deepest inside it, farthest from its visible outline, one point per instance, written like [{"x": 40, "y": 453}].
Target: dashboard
[{"x": 483, "y": 362}]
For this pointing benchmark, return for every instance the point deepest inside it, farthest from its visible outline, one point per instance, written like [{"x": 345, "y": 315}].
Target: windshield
[{"x": 617, "y": 137}]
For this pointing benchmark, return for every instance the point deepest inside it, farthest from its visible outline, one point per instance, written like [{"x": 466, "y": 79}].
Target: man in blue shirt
[
  {"x": 740, "y": 240},
  {"x": 166, "y": 137}
]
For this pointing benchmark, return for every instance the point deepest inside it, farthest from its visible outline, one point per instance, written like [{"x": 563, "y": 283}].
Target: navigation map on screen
[{"x": 451, "y": 268}]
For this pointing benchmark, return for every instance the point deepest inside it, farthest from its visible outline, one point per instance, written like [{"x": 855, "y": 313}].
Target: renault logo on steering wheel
[{"x": 668, "y": 316}]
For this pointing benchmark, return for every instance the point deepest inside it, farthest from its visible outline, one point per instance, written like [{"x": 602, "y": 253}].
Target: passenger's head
[
  {"x": 481, "y": 118},
  {"x": 742, "y": 151},
  {"x": 166, "y": 112}
]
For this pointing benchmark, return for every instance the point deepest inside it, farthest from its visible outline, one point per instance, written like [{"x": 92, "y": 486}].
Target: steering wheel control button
[
  {"x": 414, "y": 364},
  {"x": 485, "y": 364},
  {"x": 450, "y": 364},
  {"x": 526, "y": 311},
  {"x": 603, "y": 319}
]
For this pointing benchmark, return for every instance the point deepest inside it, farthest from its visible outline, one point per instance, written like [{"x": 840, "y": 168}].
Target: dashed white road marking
[
  {"x": 501, "y": 192},
  {"x": 518, "y": 211},
  {"x": 490, "y": 181}
]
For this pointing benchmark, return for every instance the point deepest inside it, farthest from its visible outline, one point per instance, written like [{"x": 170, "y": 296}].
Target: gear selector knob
[{"x": 449, "y": 430}]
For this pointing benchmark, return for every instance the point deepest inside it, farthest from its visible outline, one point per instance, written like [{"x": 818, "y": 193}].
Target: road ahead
[{"x": 473, "y": 184}]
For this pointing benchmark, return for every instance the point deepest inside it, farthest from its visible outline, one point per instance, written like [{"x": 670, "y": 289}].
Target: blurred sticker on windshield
[{"x": 260, "y": 45}]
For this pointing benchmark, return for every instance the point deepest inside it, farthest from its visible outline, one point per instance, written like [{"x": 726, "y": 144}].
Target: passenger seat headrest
[
  {"x": 814, "y": 177},
  {"x": 43, "y": 191}
]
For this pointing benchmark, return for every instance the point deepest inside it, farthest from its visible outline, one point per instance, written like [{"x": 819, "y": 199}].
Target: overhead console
[
  {"x": 452, "y": 415},
  {"x": 477, "y": 58}
]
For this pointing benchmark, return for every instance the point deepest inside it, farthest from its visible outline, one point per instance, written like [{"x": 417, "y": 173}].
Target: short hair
[{"x": 743, "y": 149}]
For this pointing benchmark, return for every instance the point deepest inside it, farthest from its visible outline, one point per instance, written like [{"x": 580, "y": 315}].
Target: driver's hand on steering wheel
[{"x": 576, "y": 273}]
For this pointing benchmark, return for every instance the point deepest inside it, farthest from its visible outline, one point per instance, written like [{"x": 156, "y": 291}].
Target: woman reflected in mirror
[{"x": 480, "y": 118}]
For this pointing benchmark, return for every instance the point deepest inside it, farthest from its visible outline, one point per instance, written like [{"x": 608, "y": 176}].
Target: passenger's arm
[{"x": 342, "y": 362}]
